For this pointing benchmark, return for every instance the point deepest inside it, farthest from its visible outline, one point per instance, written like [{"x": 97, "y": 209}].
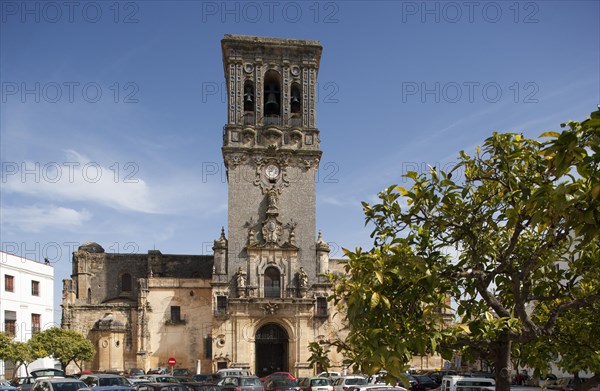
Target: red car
[{"x": 278, "y": 375}]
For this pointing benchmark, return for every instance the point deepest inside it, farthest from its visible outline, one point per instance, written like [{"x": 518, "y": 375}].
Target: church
[{"x": 261, "y": 298}]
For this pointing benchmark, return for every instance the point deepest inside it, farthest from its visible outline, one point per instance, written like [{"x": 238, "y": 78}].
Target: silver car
[{"x": 58, "y": 384}]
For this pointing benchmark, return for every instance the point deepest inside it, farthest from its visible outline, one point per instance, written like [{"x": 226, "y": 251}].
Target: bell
[
  {"x": 272, "y": 104},
  {"x": 249, "y": 95},
  {"x": 295, "y": 99}
]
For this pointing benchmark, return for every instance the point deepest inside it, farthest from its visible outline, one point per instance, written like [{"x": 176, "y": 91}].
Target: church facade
[{"x": 261, "y": 298}]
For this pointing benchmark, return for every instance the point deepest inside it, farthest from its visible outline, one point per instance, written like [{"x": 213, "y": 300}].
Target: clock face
[{"x": 272, "y": 171}]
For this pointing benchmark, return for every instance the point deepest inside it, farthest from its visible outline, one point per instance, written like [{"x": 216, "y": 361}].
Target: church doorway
[{"x": 271, "y": 350}]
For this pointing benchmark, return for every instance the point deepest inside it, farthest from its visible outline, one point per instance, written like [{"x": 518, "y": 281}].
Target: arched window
[
  {"x": 249, "y": 96},
  {"x": 272, "y": 282},
  {"x": 126, "y": 282},
  {"x": 295, "y": 99},
  {"x": 272, "y": 94}
]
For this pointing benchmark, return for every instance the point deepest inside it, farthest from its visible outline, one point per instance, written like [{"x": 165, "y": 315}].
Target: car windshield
[
  {"x": 47, "y": 373},
  {"x": 230, "y": 381},
  {"x": 356, "y": 381},
  {"x": 285, "y": 383},
  {"x": 320, "y": 382},
  {"x": 70, "y": 386},
  {"x": 251, "y": 382},
  {"x": 113, "y": 381}
]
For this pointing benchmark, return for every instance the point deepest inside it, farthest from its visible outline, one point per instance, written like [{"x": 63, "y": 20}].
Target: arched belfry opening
[
  {"x": 272, "y": 94},
  {"x": 248, "y": 97},
  {"x": 295, "y": 99},
  {"x": 271, "y": 350}
]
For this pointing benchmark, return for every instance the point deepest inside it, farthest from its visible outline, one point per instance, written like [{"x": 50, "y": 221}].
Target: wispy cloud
[
  {"x": 78, "y": 178},
  {"x": 37, "y": 218}
]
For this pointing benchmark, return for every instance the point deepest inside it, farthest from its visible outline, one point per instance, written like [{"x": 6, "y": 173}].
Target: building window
[
  {"x": 9, "y": 283},
  {"x": 208, "y": 347},
  {"x": 10, "y": 323},
  {"x": 35, "y": 288},
  {"x": 221, "y": 305},
  {"x": 175, "y": 314},
  {"x": 272, "y": 282},
  {"x": 36, "y": 323},
  {"x": 321, "y": 307},
  {"x": 126, "y": 282}
]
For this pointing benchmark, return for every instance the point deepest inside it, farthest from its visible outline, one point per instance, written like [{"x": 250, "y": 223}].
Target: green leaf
[
  {"x": 550, "y": 134},
  {"x": 374, "y": 300}
]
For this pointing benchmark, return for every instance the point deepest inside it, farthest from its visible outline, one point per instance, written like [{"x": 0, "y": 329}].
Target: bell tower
[
  {"x": 269, "y": 292},
  {"x": 271, "y": 152}
]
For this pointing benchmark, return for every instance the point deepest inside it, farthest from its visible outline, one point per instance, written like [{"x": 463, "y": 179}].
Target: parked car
[
  {"x": 408, "y": 381},
  {"x": 278, "y": 375},
  {"x": 424, "y": 382},
  {"x": 317, "y": 384},
  {"x": 137, "y": 380},
  {"x": 332, "y": 375},
  {"x": 184, "y": 379},
  {"x": 465, "y": 383},
  {"x": 161, "y": 379},
  {"x": 376, "y": 387},
  {"x": 157, "y": 371},
  {"x": 233, "y": 372},
  {"x": 24, "y": 383},
  {"x": 344, "y": 383},
  {"x": 281, "y": 384},
  {"x": 182, "y": 372},
  {"x": 47, "y": 372},
  {"x": 6, "y": 386},
  {"x": 136, "y": 372},
  {"x": 566, "y": 383},
  {"x": 108, "y": 382},
  {"x": 241, "y": 383},
  {"x": 203, "y": 386},
  {"x": 58, "y": 384},
  {"x": 437, "y": 376},
  {"x": 161, "y": 387},
  {"x": 206, "y": 378}
]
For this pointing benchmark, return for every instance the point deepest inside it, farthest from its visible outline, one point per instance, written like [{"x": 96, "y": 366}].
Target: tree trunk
[{"x": 502, "y": 353}]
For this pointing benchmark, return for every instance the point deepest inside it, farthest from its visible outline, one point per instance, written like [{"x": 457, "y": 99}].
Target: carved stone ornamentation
[
  {"x": 291, "y": 226},
  {"x": 234, "y": 160},
  {"x": 302, "y": 278},
  {"x": 272, "y": 231},
  {"x": 270, "y": 308},
  {"x": 272, "y": 200}
]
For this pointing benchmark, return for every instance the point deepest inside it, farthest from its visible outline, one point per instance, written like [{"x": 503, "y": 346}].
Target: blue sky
[{"x": 112, "y": 112}]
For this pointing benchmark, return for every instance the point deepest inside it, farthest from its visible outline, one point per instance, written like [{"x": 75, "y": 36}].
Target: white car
[
  {"x": 376, "y": 387},
  {"x": 331, "y": 375},
  {"x": 344, "y": 383}
]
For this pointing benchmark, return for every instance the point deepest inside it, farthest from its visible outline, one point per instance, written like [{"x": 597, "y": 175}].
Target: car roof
[{"x": 58, "y": 379}]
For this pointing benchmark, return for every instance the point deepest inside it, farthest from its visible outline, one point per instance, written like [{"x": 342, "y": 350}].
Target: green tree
[
  {"x": 19, "y": 353},
  {"x": 64, "y": 345},
  {"x": 319, "y": 356},
  {"x": 512, "y": 228},
  {"x": 6, "y": 342}
]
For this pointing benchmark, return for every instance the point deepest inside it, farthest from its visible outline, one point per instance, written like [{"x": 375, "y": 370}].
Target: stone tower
[{"x": 269, "y": 268}]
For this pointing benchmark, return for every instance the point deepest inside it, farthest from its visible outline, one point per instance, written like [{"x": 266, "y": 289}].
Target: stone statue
[
  {"x": 240, "y": 278},
  {"x": 303, "y": 278},
  {"x": 272, "y": 199}
]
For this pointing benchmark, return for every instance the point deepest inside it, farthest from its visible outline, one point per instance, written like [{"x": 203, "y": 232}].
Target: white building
[{"x": 26, "y": 304}]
